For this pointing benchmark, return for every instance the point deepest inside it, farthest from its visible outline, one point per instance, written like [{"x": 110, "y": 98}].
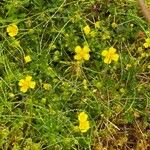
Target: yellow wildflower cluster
[
  {"x": 84, "y": 124},
  {"x": 12, "y": 30},
  {"x": 82, "y": 53},
  {"x": 110, "y": 55},
  {"x": 26, "y": 83}
]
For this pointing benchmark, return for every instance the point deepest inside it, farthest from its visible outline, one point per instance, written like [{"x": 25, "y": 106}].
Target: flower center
[
  {"x": 109, "y": 55},
  {"x": 13, "y": 30},
  {"x": 82, "y": 53},
  {"x": 25, "y": 84}
]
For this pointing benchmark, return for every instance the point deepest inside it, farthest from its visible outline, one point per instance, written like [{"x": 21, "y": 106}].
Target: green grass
[{"x": 115, "y": 96}]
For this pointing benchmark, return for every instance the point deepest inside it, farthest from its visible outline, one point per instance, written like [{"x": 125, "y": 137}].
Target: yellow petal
[
  {"x": 23, "y": 89},
  {"x": 147, "y": 40},
  {"x": 82, "y": 117},
  {"x": 32, "y": 84},
  {"x": 146, "y": 45},
  {"x": 115, "y": 57},
  {"x": 104, "y": 52},
  {"x": 11, "y": 34},
  {"x": 77, "y": 57},
  {"x": 78, "y": 49},
  {"x": 86, "y": 56},
  {"x": 28, "y": 78},
  {"x": 86, "y": 29},
  {"x": 107, "y": 60},
  {"x": 21, "y": 82},
  {"x": 86, "y": 49},
  {"x": 112, "y": 50},
  {"x": 84, "y": 126},
  {"x": 27, "y": 59}
]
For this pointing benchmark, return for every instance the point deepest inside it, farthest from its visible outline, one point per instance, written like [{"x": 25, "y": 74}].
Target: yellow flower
[
  {"x": 86, "y": 30},
  {"x": 110, "y": 55},
  {"x": 47, "y": 86},
  {"x": 82, "y": 117},
  {"x": 12, "y": 30},
  {"x": 82, "y": 53},
  {"x": 84, "y": 126},
  {"x": 26, "y": 83},
  {"x": 147, "y": 43},
  {"x": 27, "y": 59}
]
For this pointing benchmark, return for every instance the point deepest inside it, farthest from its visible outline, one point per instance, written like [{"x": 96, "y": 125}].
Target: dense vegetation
[{"x": 74, "y": 75}]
